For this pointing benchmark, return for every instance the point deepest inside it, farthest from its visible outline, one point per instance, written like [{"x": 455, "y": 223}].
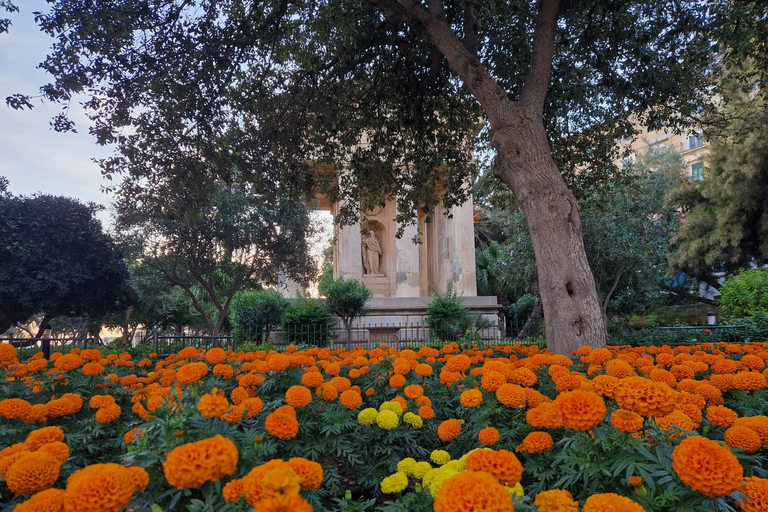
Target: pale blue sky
[{"x": 33, "y": 156}]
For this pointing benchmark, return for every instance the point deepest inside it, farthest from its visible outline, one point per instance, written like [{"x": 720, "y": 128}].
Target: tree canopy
[
  {"x": 388, "y": 95},
  {"x": 57, "y": 260}
]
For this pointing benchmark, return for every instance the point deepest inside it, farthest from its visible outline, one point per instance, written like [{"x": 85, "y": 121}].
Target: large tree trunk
[{"x": 572, "y": 306}]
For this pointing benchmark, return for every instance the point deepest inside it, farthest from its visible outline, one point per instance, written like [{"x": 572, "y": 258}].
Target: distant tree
[
  {"x": 726, "y": 213},
  {"x": 746, "y": 294},
  {"x": 254, "y": 313},
  {"x": 7, "y": 6},
  {"x": 213, "y": 241},
  {"x": 57, "y": 260},
  {"x": 345, "y": 298}
]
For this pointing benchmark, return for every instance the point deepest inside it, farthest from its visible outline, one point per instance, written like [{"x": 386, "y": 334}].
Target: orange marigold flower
[
  {"x": 536, "y": 442},
  {"x": 238, "y": 395},
  {"x": 757, "y": 423},
  {"x": 193, "y": 464},
  {"x": 502, "y": 464},
  {"x": 225, "y": 371},
  {"x": 100, "y": 401},
  {"x": 626, "y": 421},
  {"x": 707, "y": 467},
  {"x": 284, "y": 503},
  {"x": 511, "y": 395},
  {"x": 38, "y": 413},
  {"x": 327, "y": 392},
  {"x": 233, "y": 491},
  {"x": 340, "y": 383},
  {"x": 396, "y": 381},
  {"x": 449, "y": 430},
  {"x": 254, "y": 406},
  {"x": 140, "y": 477},
  {"x": 645, "y": 396},
  {"x": 7, "y": 352},
  {"x": 743, "y": 438},
  {"x": 108, "y": 414},
  {"x": 191, "y": 372},
  {"x": 92, "y": 369},
  {"x": 298, "y": 397},
  {"x": 556, "y": 500},
  {"x": 59, "y": 450},
  {"x": 756, "y": 491},
  {"x": 68, "y": 362},
  {"x": 99, "y": 488},
  {"x": 488, "y": 436},
  {"x": 619, "y": 368},
  {"x": 311, "y": 472},
  {"x": 32, "y": 473},
  {"x": 524, "y": 377},
  {"x": 580, "y": 410},
  {"x": 414, "y": 391},
  {"x": 7, "y": 461},
  {"x": 312, "y": 379},
  {"x": 423, "y": 370},
  {"x": 42, "y": 436},
  {"x": 544, "y": 416},
  {"x": 49, "y": 500},
  {"x": 213, "y": 404},
  {"x": 610, "y": 502},
  {"x": 278, "y": 362},
  {"x": 721, "y": 416},
  {"x": 351, "y": 399},
  {"x": 215, "y": 356},
  {"x": 253, "y": 489},
  {"x": 14, "y": 408},
  {"x": 472, "y": 491},
  {"x": 492, "y": 380},
  {"x": 459, "y": 363},
  {"x": 133, "y": 435},
  {"x": 711, "y": 394},
  {"x": 188, "y": 353},
  {"x": 471, "y": 398},
  {"x": 426, "y": 412},
  {"x": 749, "y": 381},
  {"x": 282, "y": 423}
]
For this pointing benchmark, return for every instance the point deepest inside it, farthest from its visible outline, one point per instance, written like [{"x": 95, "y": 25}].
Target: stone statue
[{"x": 371, "y": 255}]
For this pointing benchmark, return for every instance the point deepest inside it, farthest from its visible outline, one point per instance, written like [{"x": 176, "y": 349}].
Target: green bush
[
  {"x": 253, "y": 314},
  {"x": 746, "y": 294},
  {"x": 345, "y": 298},
  {"x": 307, "y": 322},
  {"x": 449, "y": 320}
]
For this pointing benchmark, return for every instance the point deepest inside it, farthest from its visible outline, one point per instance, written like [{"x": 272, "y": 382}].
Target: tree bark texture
[{"x": 572, "y": 306}]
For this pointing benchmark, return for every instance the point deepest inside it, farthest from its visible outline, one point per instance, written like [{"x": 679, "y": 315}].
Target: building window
[
  {"x": 697, "y": 171},
  {"x": 694, "y": 141}
]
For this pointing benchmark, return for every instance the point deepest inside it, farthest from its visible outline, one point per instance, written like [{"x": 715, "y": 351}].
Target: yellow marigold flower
[
  {"x": 394, "y": 483},
  {"x": 108, "y": 414},
  {"x": 488, "y": 436},
  {"x": 42, "y": 436},
  {"x": 298, "y": 397},
  {"x": 536, "y": 442},
  {"x": 282, "y": 423},
  {"x": 440, "y": 457},
  {"x": 367, "y": 417},
  {"x": 502, "y": 464},
  {"x": 609, "y": 502},
  {"x": 213, "y": 404},
  {"x": 556, "y": 500},
  {"x": 387, "y": 419},
  {"x": 420, "y": 469},
  {"x": 406, "y": 465},
  {"x": 517, "y": 490},
  {"x": 471, "y": 398},
  {"x": 413, "y": 420},
  {"x": 743, "y": 438},
  {"x": 707, "y": 467},
  {"x": 392, "y": 406},
  {"x": 472, "y": 490},
  {"x": 14, "y": 407},
  {"x": 449, "y": 430},
  {"x": 49, "y": 500},
  {"x": 310, "y": 472},
  {"x": 193, "y": 464},
  {"x": 756, "y": 491},
  {"x": 282, "y": 479},
  {"x": 435, "y": 478},
  {"x": 32, "y": 473}
]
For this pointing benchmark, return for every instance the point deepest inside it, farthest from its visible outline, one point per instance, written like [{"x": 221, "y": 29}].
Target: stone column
[
  {"x": 455, "y": 250},
  {"x": 407, "y": 261},
  {"x": 347, "y": 254}
]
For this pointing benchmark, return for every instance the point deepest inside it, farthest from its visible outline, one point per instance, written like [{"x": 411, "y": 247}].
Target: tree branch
[
  {"x": 613, "y": 287},
  {"x": 536, "y": 83},
  {"x": 688, "y": 295}
]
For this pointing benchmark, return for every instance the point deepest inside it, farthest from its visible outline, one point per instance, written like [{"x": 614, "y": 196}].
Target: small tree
[
  {"x": 254, "y": 314},
  {"x": 346, "y": 299},
  {"x": 307, "y": 321}
]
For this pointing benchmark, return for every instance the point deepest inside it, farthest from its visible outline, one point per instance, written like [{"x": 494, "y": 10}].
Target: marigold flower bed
[{"x": 485, "y": 429}]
